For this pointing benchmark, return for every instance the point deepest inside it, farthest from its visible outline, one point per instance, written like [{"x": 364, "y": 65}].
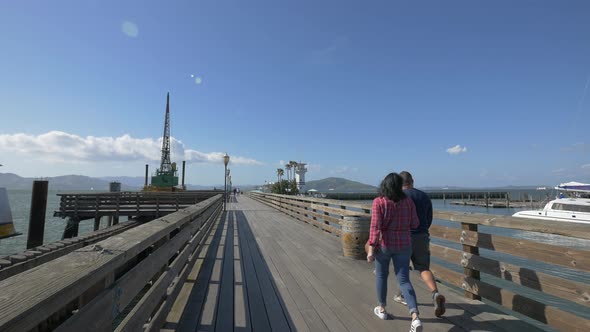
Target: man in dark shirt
[{"x": 421, "y": 242}]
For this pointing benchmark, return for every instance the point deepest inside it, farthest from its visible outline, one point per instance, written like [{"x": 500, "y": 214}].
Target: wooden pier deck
[{"x": 261, "y": 270}]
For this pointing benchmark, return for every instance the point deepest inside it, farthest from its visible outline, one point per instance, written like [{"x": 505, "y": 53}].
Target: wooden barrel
[{"x": 355, "y": 233}]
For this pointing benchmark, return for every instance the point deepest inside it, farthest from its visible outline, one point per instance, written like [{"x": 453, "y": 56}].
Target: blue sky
[{"x": 460, "y": 93}]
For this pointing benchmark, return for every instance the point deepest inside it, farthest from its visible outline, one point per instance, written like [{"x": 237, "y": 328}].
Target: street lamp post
[
  {"x": 228, "y": 184},
  {"x": 225, "y": 162}
]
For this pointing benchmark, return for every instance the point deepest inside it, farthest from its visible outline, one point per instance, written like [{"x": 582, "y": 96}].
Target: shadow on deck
[{"x": 261, "y": 270}]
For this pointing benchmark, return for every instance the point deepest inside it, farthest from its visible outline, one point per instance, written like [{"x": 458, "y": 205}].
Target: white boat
[
  {"x": 576, "y": 187},
  {"x": 571, "y": 209}
]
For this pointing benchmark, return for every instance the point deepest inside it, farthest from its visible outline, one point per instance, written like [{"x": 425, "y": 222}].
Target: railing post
[
  {"x": 37, "y": 215},
  {"x": 96, "y": 215},
  {"x": 157, "y": 206},
  {"x": 116, "y": 218},
  {"x": 470, "y": 273},
  {"x": 354, "y": 235}
]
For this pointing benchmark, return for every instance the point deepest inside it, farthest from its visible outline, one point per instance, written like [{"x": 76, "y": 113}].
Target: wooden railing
[
  {"x": 127, "y": 282},
  {"x": 28, "y": 259},
  {"x": 91, "y": 205},
  {"x": 329, "y": 215}
]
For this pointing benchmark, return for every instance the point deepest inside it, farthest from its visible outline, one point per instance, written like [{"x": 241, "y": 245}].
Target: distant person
[
  {"x": 421, "y": 242},
  {"x": 393, "y": 215}
]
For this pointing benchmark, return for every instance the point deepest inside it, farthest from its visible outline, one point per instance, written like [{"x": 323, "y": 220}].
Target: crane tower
[{"x": 166, "y": 177}]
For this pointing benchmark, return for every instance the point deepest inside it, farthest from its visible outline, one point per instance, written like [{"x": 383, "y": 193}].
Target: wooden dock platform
[
  {"x": 275, "y": 263},
  {"x": 262, "y": 270}
]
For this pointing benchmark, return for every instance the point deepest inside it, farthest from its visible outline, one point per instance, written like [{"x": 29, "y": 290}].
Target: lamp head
[{"x": 226, "y": 159}]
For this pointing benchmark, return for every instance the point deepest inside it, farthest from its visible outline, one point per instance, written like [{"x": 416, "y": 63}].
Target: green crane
[{"x": 166, "y": 178}]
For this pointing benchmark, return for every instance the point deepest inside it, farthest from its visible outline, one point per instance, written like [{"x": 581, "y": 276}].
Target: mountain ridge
[{"x": 341, "y": 185}]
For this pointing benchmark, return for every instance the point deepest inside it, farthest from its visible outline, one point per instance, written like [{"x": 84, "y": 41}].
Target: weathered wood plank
[
  {"x": 241, "y": 308},
  {"x": 180, "y": 304},
  {"x": 274, "y": 307},
  {"x": 258, "y": 315},
  {"x": 225, "y": 320},
  {"x": 31, "y": 298},
  {"x": 165, "y": 292},
  {"x": 576, "y": 230},
  {"x": 572, "y": 258},
  {"x": 556, "y": 318},
  {"x": 560, "y": 287},
  {"x": 193, "y": 311},
  {"x": 123, "y": 291}
]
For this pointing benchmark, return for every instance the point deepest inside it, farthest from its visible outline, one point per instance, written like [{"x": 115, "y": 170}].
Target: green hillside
[{"x": 339, "y": 185}]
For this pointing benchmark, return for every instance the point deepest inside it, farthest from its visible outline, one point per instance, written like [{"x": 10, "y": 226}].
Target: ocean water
[{"x": 20, "y": 204}]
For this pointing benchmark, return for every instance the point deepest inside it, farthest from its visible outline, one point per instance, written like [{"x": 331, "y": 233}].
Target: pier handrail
[
  {"x": 88, "y": 205},
  {"x": 330, "y": 214},
  {"x": 132, "y": 278}
]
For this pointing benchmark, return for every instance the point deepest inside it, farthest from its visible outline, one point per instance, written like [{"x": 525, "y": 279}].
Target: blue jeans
[{"x": 401, "y": 266}]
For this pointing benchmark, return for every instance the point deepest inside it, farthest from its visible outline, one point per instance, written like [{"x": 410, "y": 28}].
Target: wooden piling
[
  {"x": 468, "y": 272},
  {"x": 37, "y": 215}
]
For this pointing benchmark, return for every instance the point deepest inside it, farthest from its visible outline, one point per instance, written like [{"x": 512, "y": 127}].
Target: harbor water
[{"x": 20, "y": 204}]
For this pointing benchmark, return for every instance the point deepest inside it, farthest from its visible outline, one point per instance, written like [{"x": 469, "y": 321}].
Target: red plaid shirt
[{"x": 394, "y": 221}]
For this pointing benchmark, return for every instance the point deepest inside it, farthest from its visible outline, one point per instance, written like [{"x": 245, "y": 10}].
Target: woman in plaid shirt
[{"x": 393, "y": 215}]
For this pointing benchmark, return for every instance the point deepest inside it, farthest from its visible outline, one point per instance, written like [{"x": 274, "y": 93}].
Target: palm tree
[
  {"x": 293, "y": 166},
  {"x": 288, "y": 167},
  {"x": 280, "y": 173}
]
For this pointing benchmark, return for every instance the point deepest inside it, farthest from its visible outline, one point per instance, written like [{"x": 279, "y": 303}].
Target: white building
[{"x": 300, "y": 171}]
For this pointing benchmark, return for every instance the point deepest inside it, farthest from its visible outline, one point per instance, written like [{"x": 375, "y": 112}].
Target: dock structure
[{"x": 275, "y": 263}]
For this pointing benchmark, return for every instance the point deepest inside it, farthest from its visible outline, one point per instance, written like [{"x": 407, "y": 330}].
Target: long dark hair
[{"x": 391, "y": 187}]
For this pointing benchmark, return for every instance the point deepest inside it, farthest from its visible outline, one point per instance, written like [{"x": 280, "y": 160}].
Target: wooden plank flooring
[{"x": 261, "y": 270}]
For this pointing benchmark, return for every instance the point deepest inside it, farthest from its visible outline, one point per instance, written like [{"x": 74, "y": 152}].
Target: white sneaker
[
  {"x": 379, "y": 313},
  {"x": 439, "y": 305},
  {"x": 400, "y": 299},
  {"x": 416, "y": 325}
]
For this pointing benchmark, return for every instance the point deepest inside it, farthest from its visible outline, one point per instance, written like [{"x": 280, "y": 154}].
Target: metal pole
[
  {"x": 146, "y": 175},
  {"x": 183, "y": 166},
  {"x": 37, "y": 216},
  {"x": 224, "y": 187}
]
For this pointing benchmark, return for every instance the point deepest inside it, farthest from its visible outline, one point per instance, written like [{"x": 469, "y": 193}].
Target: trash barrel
[
  {"x": 6, "y": 225},
  {"x": 354, "y": 235}
]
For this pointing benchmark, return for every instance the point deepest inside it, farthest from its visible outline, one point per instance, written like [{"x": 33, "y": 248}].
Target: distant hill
[
  {"x": 65, "y": 182},
  {"x": 80, "y": 182},
  {"x": 339, "y": 185}
]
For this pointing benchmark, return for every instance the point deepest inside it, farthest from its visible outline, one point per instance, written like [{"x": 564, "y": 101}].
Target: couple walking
[{"x": 400, "y": 219}]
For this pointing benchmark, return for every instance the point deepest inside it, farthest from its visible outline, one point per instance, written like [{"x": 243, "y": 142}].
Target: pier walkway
[{"x": 261, "y": 270}]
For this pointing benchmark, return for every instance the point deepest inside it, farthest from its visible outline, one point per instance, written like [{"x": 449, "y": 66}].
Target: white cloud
[
  {"x": 198, "y": 80},
  {"x": 559, "y": 170},
  {"x": 281, "y": 162},
  {"x": 130, "y": 29},
  {"x": 585, "y": 166},
  {"x": 457, "y": 149},
  {"x": 64, "y": 147}
]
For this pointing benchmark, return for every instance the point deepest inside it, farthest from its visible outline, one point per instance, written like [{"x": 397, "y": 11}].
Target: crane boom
[{"x": 165, "y": 164}]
